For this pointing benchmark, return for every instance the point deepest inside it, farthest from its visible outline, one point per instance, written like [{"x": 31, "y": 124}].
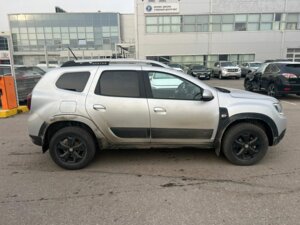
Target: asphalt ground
[{"x": 161, "y": 186}]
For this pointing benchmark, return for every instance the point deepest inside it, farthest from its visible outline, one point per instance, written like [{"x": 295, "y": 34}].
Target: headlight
[
  {"x": 239, "y": 70},
  {"x": 278, "y": 107},
  {"x": 224, "y": 70}
]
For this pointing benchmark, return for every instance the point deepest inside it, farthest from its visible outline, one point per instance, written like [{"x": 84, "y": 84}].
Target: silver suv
[
  {"x": 226, "y": 69},
  {"x": 76, "y": 110}
]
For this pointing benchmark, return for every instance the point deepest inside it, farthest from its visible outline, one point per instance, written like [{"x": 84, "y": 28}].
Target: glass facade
[
  {"x": 207, "y": 60},
  {"x": 3, "y": 44},
  {"x": 57, "y": 31},
  {"x": 223, "y": 23}
]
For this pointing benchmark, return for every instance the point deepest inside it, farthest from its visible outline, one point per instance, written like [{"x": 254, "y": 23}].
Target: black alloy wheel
[
  {"x": 245, "y": 144},
  {"x": 72, "y": 148},
  {"x": 272, "y": 90}
]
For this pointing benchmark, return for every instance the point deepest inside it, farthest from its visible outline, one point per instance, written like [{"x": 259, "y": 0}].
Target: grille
[{"x": 232, "y": 70}]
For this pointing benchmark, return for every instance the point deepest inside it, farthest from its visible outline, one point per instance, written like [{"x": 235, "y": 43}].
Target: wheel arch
[
  {"x": 48, "y": 130},
  {"x": 265, "y": 122}
]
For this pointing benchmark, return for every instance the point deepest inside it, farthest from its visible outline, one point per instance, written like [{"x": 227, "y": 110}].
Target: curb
[{"x": 12, "y": 112}]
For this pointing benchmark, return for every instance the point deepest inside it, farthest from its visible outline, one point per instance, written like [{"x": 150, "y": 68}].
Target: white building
[{"x": 205, "y": 31}]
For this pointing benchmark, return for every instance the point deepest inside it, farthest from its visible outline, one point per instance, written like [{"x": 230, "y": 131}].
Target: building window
[
  {"x": 266, "y": 26},
  {"x": 240, "y": 27}
]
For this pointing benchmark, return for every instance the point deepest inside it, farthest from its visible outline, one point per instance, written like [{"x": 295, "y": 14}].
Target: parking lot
[{"x": 157, "y": 186}]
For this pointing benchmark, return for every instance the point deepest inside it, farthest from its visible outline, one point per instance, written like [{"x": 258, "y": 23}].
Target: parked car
[
  {"x": 26, "y": 78},
  {"x": 249, "y": 67},
  {"x": 177, "y": 66},
  {"x": 226, "y": 69},
  {"x": 275, "y": 78},
  {"x": 199, "y": 71},
  {"x": 76, "y": 110},
  {"x": 46, "y": 68}
]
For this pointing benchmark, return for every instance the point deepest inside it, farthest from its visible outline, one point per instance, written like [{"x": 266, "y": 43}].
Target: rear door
[
  {"x": 117, "y": 104},
  {"x": 177, "y": 115}
]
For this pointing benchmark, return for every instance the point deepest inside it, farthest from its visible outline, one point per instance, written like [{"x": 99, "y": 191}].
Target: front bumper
[
  {"x": 276, "y": 140},
  {"x": 231, "y": 74}
]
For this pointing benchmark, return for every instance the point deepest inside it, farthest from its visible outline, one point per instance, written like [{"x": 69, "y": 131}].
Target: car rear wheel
[
  {"x": 72, "y": 148},
  {"x": 272, "y": 90},
  {"x": 245, "y": 144}
]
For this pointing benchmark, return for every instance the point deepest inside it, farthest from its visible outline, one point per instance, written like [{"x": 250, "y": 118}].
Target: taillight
[
  {"x": 29, "y": 101},
  {"x": 289, "y": 76}
]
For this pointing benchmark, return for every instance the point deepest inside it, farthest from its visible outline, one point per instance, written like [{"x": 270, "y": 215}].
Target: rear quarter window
[{"x": 75, "y": 81}]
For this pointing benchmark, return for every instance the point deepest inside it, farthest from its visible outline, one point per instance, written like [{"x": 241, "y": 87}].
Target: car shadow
[{"x": 155, "y": 155}]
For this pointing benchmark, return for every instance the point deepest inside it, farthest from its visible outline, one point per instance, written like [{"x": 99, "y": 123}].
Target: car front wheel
[
  {"x": 272, "y": 90},
  {"x": 72, "y": 148},
  {"x": 220, "y": 76},
  {"x": 245, "y": 144}
]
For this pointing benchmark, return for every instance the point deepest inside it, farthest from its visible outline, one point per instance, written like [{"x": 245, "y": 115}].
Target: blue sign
[{"x": 148, "y": 8}]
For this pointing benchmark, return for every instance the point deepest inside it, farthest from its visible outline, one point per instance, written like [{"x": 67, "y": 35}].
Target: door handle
[
  {"x": 159, "y": 110},
  {"x": 99, "y": 107}
]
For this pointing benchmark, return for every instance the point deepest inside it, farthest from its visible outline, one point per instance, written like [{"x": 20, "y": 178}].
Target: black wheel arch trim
[
  {"x": 45, "y": 128},
  {"x": 226, "y": 121}
]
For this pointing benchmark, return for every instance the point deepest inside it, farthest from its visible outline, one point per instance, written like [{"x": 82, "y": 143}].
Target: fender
[{"x": 225, "y": 122}]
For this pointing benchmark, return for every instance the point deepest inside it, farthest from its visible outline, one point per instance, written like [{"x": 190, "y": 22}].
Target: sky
[{"x": 40, "y": 6}]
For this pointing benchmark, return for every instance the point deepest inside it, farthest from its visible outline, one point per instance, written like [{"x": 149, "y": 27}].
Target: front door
[
  {"x": 118, "y": 106},
  {"x": 177, "y": 115}
]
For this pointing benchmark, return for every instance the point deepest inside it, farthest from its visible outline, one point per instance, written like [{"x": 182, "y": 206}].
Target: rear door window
[
  {"x": 119, "y": 84},
  {"x": 75, "y": 81}
]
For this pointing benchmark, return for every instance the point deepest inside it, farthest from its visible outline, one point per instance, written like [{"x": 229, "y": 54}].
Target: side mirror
[
  {"x": 218, "y": 66},
  {"x": 207, "y": 95}
]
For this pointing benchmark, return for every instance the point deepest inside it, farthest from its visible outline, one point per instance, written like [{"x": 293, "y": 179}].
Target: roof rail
[{"x": 105, "y": 62}]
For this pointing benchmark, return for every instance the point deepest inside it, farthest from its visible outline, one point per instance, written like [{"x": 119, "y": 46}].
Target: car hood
[
  {"x": 203, "y": 70},
  {"x": 237, "y": 93}
]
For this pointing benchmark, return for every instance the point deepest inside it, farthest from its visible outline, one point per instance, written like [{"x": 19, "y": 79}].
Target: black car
[
  {"x": 199, "y": 71},
  {"x": 276, "y": 78}
]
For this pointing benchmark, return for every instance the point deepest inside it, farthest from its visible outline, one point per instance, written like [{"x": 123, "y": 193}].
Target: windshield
[
  {"x": 224, "y": 64},
  {"x": 199, "y": 68},
  {"x": 255, "y": 64},
  {"x": 262, "y": 68}
]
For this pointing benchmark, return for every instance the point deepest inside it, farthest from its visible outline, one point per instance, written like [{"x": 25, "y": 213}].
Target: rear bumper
[{"x": 289, "y": 89}]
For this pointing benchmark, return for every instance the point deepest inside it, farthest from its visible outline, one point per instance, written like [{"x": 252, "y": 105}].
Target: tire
[
  {"x": 248, "y": 85},
  {"x": 272, "y": 90},
  {"x": 72, "y": 148},
  {"x": 245, "y": 144},
  {"x": 220, "y": 76}
]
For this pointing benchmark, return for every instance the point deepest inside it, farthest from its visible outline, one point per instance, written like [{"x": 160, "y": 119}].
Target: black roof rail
[{"x": 91, "y": 63}]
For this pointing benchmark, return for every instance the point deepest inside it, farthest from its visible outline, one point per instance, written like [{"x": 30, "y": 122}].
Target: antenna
[{"x": 72, "y": 53}]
